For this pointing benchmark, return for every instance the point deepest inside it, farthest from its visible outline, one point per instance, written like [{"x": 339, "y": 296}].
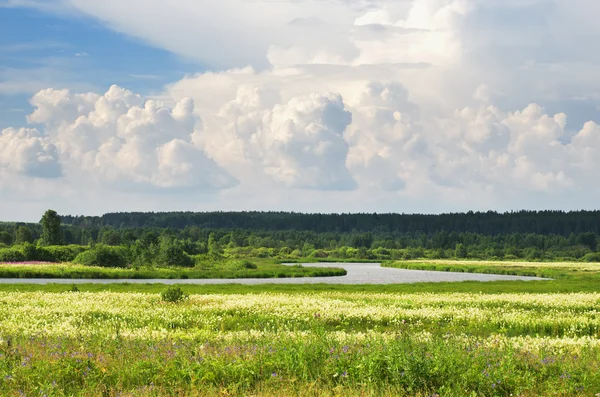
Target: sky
[{"x": 408, "y": 106}]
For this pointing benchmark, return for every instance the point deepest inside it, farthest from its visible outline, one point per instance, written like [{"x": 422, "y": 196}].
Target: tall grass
[
  {"x": 220, "y": 272},
  {"x": 111, "y": 344}
]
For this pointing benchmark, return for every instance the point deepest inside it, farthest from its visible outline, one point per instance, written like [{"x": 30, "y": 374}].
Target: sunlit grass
[
  {"x": 453, "y": 344},
  {"x": 74, "y": 271}
]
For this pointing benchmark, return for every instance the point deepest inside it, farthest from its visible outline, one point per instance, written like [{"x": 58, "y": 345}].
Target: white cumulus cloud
[
  {"x": 29, "y": 153},
  {"x": 117, "y": 138}
]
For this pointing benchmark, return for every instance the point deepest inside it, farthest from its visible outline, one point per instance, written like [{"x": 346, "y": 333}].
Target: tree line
[
  {"x": 169, "y": 245},
  {"x": 488, "y": 223}
]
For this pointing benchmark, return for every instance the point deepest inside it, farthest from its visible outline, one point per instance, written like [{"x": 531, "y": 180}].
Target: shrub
[
  {"x": 461, "y": 251},
  {"x": 239, "y": 265},
  {"x": 319, "y": 254},
  {"x": 103, "y": 256},
  {"x": 11, "y": 255},
  {"x": 173, "y": 294},
  {"x": 382, "y": 253},
  {"x": 592, "y": 257},
  {"x": 263, "y": 252},
  {"x": 30, "y": 252},
  {"x": 59, "y": 253}
]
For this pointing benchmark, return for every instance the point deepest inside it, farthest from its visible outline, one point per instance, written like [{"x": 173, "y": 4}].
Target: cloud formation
[
  {"x": 28, "y": 153},
  {"x": 299, "y": 143},
  {"x": 116, "y": 138},
  {"x": 478, "y": 104}
]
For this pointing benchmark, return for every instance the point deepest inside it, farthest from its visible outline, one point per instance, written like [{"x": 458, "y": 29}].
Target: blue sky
[
  {"x": 336, "y": 106},
  {"x": 77, "y": 52}
]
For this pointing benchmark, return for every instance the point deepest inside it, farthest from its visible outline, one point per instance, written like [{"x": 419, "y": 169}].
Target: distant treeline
[
  {"x": 147, "y": 237},
  {"x": 487, "y": 223}
]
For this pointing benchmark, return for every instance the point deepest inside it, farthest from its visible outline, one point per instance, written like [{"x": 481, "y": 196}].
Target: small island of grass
[{"x": 234, "y": 269}]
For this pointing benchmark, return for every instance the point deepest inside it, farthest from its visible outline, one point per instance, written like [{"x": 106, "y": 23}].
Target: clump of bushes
[
  {"x": 592, "y": 257},
  {"x": 11, "y": 255},
  {"x": 103, "y": 256},
  {"x": 58, "y": 253},
  {"x": 239, "y": 265},
  {"x": 173, "y": 294},
  {"x": 53, "y": 253}
]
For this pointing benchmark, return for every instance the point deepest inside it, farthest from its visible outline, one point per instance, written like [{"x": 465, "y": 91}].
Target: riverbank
[{"x": 233, "y": 270}]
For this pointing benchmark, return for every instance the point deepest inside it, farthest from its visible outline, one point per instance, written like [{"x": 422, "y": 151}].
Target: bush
[
  {"x": 382, "y": 253},
  {"x": 59, "y": 253},
  {"x": 240, "y": 265},
  {"x": 103, "y": 256},
  {"x": 30, "y": 252},
  {"x": 11, "y": 255},
  {"x": 592, "y": 257},
  {"x": 319, "y": 254},
  {"x": 173, "y": 294}
]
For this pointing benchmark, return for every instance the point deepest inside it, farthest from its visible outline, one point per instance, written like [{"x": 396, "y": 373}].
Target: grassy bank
[
  {"x": 557, "y": 270},
  {"x": 72, "y": 271}
]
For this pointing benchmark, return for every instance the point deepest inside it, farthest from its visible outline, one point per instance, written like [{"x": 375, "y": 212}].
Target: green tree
[
  {"x": 588, "y": 239},
  {"x": 461, "y": 251},
  {"x": 86, "y": 237},
  {"x": 214, "y": 250},
  {"x": 171, "y": 254},
  {"x": 111, "y": 237},
  {"x": 51, "y": 231},
  {"x": 23, "y": 235},
  {"x": 5, "y": 238}
]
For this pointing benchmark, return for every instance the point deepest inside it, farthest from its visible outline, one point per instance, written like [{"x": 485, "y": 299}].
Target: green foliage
[
  {"x": 319, "y": 254},
  {"x": 23, "y": 235},
  {"x": 171, "y": 254},
  {"x": 168, "y": 239},
  {"x": 110, "y": 237},
  {"x": 587, "y": 239},
  {"x": 239, "y": 265},
  {"x": 285, "y": 252},
  {"x": 103, "y": 256},
  {"x": 11, "y": 255},
  {"x": 461, "y": 251},
  {"x": 592, "y": 257},
  {"x": 29, "y": 251},
  {"x": 214, "y": 249},
  {"x": 51, "y": 231},
  {"x": 5, "y": 238},
  {"x": 173, "y": 294},
  {"x": 58, "y": 253}
]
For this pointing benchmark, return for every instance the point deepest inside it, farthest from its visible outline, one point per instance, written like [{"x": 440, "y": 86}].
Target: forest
[{"x": 183, "y": 238}]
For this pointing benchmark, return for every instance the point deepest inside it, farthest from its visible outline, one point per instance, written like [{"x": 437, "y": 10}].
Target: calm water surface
[{"x": 358, "y": 273}]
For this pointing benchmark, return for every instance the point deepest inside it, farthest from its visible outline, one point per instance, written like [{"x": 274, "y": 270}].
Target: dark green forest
[
  {"x": 487, "y": 223},
  {"x": 180, "y": 238}
]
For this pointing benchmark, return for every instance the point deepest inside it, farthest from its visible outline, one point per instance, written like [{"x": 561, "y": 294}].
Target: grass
[
  {"x": 319, "y": 344},
  {"x": 557, "y": 270},
  {"x": 429, "y": 339},
  {"x": 263, "y": 269}
]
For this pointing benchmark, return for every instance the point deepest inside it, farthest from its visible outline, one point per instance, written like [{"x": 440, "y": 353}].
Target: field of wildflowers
[{"x": 307, "y": 344}]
